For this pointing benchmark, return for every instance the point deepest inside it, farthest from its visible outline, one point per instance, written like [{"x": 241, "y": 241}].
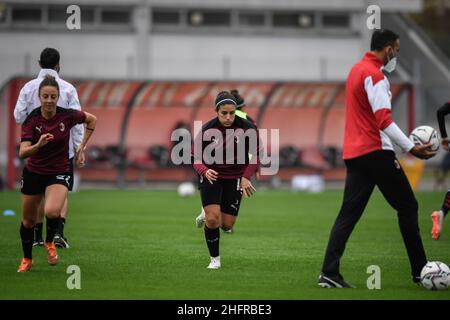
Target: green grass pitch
[{"x": 144, "y": 245}]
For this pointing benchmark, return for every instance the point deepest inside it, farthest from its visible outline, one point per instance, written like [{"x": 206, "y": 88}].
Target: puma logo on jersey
[{"x": 39, "y": 129}]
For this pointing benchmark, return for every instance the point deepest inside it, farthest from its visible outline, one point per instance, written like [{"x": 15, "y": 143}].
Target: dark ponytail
[
  {"x": 49, "y": 81},
  {"x": 239, "y": 100}
]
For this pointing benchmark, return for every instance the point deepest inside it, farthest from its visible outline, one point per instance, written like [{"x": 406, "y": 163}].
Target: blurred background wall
[{"x": 278, "y": 44}]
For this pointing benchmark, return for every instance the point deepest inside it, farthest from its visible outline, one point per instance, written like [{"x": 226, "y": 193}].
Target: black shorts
[
  {"x": 224, "y": 192},
  {"x": 34, "y": 183}
]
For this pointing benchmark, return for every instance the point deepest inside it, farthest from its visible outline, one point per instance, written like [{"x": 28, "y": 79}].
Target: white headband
[{"x": 232, "y": 101}]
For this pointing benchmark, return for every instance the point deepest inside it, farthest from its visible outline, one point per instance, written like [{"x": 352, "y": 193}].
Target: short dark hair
[
  {"x": 224, "y": 97},
  {"x": 382, "y": 38},
  {"x": 49, "y": 58},
  {"x": 48, "y": 81}
]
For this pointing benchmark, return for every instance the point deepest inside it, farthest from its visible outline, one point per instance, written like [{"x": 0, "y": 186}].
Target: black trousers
[{"x": 382, "y": 169}]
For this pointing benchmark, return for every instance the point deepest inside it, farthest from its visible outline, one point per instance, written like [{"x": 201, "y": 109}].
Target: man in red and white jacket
[{"x": 370, "y": 159}]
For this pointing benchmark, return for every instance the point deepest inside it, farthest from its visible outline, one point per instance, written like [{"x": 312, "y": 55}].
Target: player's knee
[
  {"x": 52, "y": 212},
  {"x": 29, "y": 223},
  {"x": 212, "y": 221}
]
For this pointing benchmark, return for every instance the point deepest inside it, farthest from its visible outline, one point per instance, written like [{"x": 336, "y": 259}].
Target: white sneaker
[
  {"x": 200, "y": 220},
  {"x": 215, "y": 263}
]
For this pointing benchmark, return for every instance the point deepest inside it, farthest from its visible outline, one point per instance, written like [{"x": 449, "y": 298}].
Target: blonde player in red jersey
[{"x": 45, "y": 143}]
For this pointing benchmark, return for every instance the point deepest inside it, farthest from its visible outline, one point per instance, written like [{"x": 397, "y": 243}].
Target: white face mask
[{"x": 390, "y": 66}]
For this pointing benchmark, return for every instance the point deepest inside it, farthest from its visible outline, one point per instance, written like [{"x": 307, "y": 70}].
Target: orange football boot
[{"x": 52, "y": 256}]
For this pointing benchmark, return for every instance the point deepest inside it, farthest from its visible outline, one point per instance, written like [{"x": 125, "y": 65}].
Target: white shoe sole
[
  {"x": 214, "y": 264},
  {"x": 199, "y": 222},
  {"x": 60, "y": 242}
]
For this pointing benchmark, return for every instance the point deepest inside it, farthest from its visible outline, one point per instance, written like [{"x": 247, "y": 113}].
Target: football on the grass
[{"x": 435, "y": 275}]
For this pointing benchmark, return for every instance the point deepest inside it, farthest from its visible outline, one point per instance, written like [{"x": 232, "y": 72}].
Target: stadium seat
[
  {"x": 334, "y": 122},
  {"x": 311, "y": 157},
  {"x": 108, "y": 101},
  {"x": 297, "y": 110},
  {"x": 159, "y": 108}
]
